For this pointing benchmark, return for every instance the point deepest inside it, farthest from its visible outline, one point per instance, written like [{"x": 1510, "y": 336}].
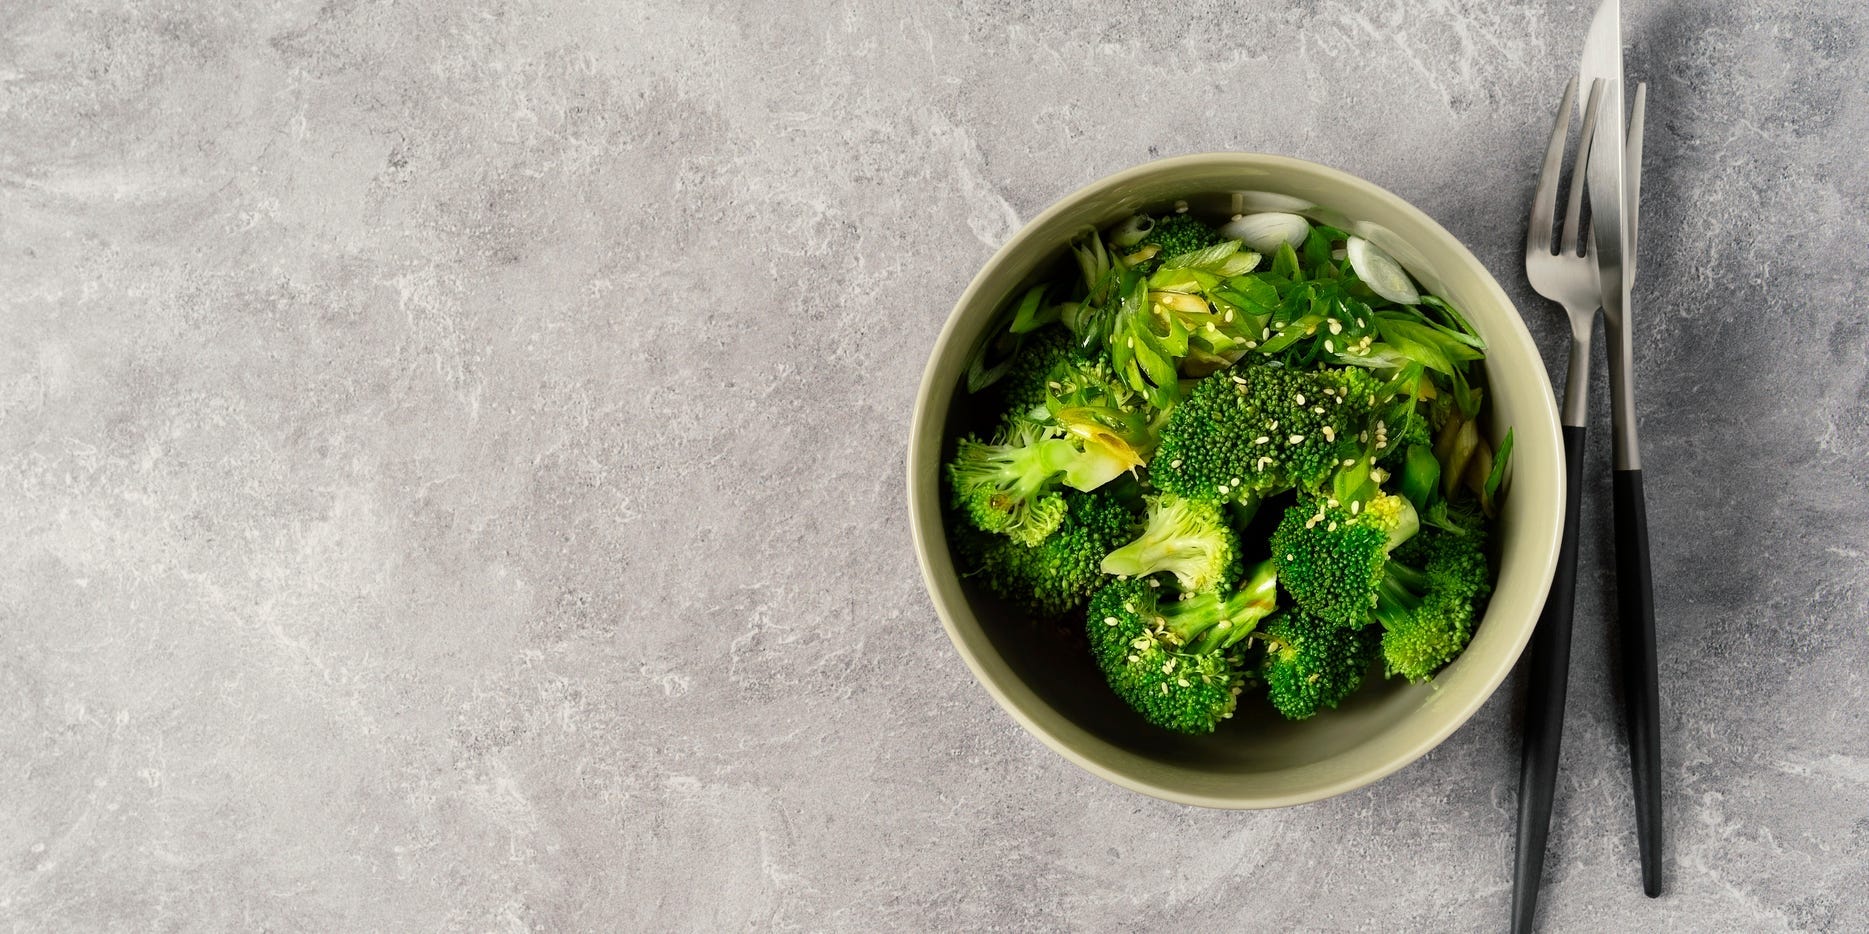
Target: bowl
[{"x": 1255, "y": 760}]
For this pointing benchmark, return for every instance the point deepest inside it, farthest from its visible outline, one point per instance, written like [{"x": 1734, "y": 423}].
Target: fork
[{"x": 1568, "y": 276}]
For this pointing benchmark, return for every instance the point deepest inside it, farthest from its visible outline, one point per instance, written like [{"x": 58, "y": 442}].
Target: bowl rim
[{"x": 928, "y": 532}]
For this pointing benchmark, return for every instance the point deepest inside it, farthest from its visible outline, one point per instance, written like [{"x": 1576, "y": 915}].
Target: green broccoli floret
[
  {"x": 1021, "y": 388},
  {"x": 1172, "y": 661},
  {"x": 1055, "y": 576},
  {"x": 1175, "y": 234},
  {"x": 1429, "y": 600},
  {"x": 1188, "y": 538},
  {"x": 1311, "y": 663},
  {"x": 1006, "y": 486},
  {"x": 1258, "y": 429},
  {"x": 1330, "y": 554}
]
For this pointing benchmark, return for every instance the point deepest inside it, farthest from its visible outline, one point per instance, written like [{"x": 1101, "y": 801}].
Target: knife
[{"x": 1612, "y": 223}]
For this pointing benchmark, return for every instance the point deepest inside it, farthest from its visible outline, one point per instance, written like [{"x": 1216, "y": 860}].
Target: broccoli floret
[
  {"x": 1173, "y": 661},
  {"x": 1311, "y": 663},
  {"x": 1055, "y": 576},
  {"x": 1429, "y": 600},
  {"x": 1021, "y": 389},
  {"x": 1188, "y": 538},
  {"x": 1175, "y": 234},
  {"x": 1261, "y": 429},
  {"x": 1330, "y": 554},
  {"x": 1006, "y": 486}
]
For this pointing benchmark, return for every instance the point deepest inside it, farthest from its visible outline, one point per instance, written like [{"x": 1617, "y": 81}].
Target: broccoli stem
[{"x": 1205, "y": 623}]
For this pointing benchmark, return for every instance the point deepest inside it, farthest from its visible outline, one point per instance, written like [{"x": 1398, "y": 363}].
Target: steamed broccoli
[
  {"x": 1331, "y": 554},
  {"x": 1056, "y": 575},
  {"x": 1260, "y": 430},
  {"x": 1431, "y": 593},
  {"x": 1171, "y": 661},
  {"x": 1312, "y": 663},
  {"x": 1189, "y": 538}
]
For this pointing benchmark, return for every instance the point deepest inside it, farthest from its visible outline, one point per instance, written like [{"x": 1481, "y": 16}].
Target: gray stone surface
[{"x": 451, "y": 463}]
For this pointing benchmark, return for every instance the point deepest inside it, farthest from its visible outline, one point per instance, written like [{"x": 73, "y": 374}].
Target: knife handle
[
  {"x": 1640, "y": 690},
  {"x": 1549, "y": 681}
]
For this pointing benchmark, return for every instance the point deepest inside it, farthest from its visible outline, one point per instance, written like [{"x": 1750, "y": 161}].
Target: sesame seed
[
  {"x": 1331, "y": 528},
  {"x": 1296, "y": 439},
  {"x": 1317, "y": 410},
  {"x": 1299, "y": 398},
  {"x": 1360, "y": 324},
  {"x": 1154, "y": 583},
  {"x": 1182, "y": 681},
  {"x": 1133, "y": 659},
  {"x": 1310, "y": 330},
  {"x": 1261, "y": 439},
  {"x": 1110, "y": 621},
  {"x": 1176, "y": 463},
  {"x": 1265, "y": 334},
  {"x": 1229, "y": 316},
  {"x": 1236, "y": 481},
  {"x": 1273, "y": 426},
  {"x": 1329, "y": 347},
  {"x": 1336, "y": 327},
  {"x": 1330, "y": 434},
  {"x": 1356, "y": 506},
  {"x": 1252, "y": 345},
  {"x": 1132, "y": 343}
]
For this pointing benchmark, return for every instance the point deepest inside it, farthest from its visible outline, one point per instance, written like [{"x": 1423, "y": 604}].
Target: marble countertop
[{"x": 451, "y": 463}]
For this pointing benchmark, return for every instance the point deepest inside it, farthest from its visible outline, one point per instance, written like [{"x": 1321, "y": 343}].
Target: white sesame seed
[
  {"x": 1110, "y": 621},
  {"x": 1356, "y": 506},
  {"x": 1229, "y": 316},
  {"x": 1182, "y": 681},
  {"x": 1296, "y": 439},
  {"x": 1176, "y": 463},
  {"x": 1299, "y": 398},
  {"x": 1332, "y": 527},
  {"x": 1317, "y": 409},
  {"x": 1360, "y": 324},
  {"x": 1328, "y": 346},
  {"x": 1330, "y": 434},
  {"x": 1236, "y": 481},
  {"x": 1261, "y": 439},
  {"x": 1336, "y": 327}
]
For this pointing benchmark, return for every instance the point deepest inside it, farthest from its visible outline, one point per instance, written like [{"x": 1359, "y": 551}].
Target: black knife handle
[
  {"x": 1549, "y": 672},
  {"x": 1640, "y": 691}
]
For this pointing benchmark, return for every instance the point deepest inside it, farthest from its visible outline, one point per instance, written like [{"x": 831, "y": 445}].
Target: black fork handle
[
  {"x": 1549, "y": 672},
  {"x": 1641, "y": 693}
]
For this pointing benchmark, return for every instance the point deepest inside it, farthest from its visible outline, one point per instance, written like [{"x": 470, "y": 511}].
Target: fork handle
[
  {"x": 1549, "y": 682},
  {"x": 1640, "y": 690}
]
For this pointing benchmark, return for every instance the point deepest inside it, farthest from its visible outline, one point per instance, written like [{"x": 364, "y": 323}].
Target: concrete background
[{"x": 451, "y": 463}]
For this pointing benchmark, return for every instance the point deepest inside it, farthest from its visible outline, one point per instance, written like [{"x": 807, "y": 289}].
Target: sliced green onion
[{"x": 1381, "y": 272}]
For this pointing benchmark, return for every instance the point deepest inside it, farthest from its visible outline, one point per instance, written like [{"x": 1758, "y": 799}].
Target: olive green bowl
[{"x": 1256, "y": 759}]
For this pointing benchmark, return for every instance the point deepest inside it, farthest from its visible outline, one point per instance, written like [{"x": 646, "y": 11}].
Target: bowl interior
[{"x": 1045, "y": 678}]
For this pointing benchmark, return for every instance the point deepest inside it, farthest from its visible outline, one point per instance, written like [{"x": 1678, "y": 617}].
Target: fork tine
[
  {"x": 1632, "y": 154},
  {"x": 1573, "y": 212},
  {"x": 1544, "y": 200}
]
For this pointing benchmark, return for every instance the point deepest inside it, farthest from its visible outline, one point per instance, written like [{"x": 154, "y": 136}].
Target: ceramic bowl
[{"x": 1255, "y": 760}]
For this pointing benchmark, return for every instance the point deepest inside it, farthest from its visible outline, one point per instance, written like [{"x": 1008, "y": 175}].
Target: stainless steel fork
[{"x": 1567, "y": 275}]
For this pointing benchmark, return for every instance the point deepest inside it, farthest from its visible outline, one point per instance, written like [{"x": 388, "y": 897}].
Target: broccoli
[
  {"x": 1056, "y": 575},
  {"x": 1331, "y": 554},
  {"x": 1189, "y": 538},
  {"x": 1171, "y": 661},
  {"x": 1311, "y": 663},
  {"x": 1006, "y": 486},
  {"x": 1431, "y": 593},
  {"x": 1261, "y": 429},
  {"x": 1175, "y": 234},
  {"x": 1021, "y": 388}
]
